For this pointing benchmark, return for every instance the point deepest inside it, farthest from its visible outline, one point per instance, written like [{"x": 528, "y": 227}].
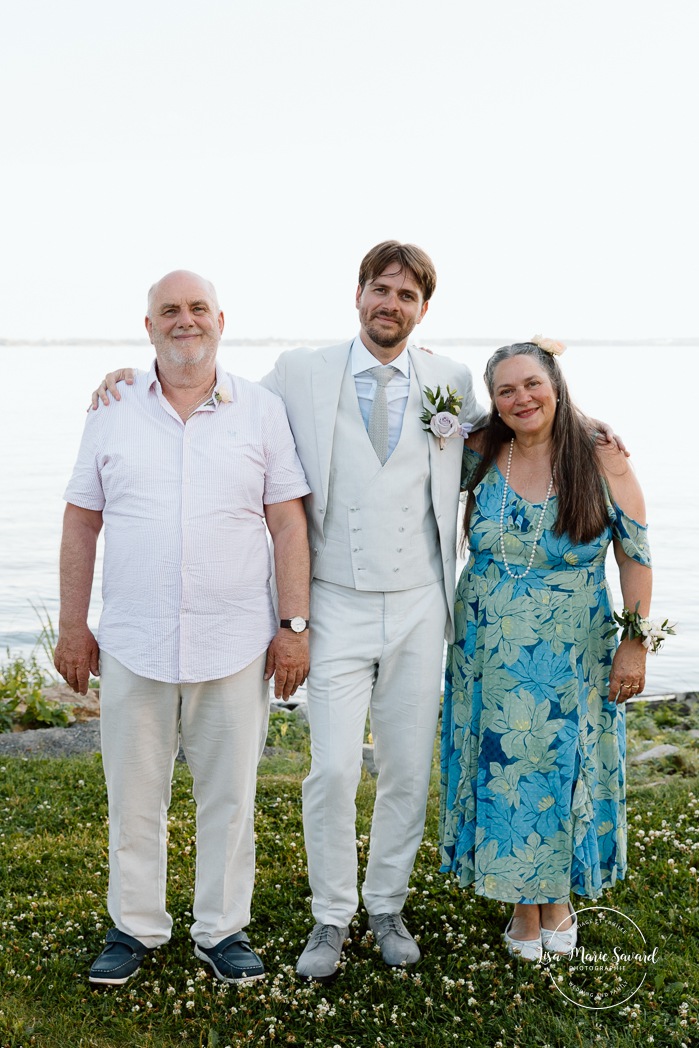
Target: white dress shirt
[
  {"x": 186, "y": 564},
  {"x": 397, "y": 389}
]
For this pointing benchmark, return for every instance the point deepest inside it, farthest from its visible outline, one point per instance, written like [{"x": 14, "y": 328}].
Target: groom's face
[{"x": 389, "y": 307}]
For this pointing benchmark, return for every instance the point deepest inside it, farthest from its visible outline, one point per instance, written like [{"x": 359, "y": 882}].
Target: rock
[
  {"x": 656, "y": 753},
  {"x": 694, "y": 733},
  {"x": 52, "y": 742}
]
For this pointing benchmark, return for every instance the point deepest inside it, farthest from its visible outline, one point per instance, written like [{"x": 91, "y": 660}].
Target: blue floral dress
[{"x": 533, "y": 800}]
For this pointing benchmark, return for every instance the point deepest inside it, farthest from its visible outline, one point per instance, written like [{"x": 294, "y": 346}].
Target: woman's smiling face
[{"x": 523, "y": 395}]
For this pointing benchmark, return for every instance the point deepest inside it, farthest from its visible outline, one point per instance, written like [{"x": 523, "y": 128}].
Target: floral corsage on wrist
[
  {"x": 444, "y": 420},
  {"x": 651, "y": 634}
]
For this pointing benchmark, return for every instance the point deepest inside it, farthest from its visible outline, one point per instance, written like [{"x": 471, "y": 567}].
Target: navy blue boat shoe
[
  {"x": 120, "y": 959},
  {"x": 233, "y": 959}
]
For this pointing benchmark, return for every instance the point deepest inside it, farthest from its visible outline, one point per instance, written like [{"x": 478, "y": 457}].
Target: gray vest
[{"x": 380, "y": 530}]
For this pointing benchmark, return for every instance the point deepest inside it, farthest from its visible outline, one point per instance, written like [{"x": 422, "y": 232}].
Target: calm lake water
[{"x": 640, "y": 389}]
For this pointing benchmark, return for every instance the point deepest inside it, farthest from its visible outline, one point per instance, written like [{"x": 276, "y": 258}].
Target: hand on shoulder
[
  {"x": 622, "y": 481},
  {"x": 109, "y": 385},
  {"x": 612, "y": 460}
]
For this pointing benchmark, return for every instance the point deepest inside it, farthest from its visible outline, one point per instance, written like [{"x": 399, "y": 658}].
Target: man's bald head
[{"x": 176, "y": 280}]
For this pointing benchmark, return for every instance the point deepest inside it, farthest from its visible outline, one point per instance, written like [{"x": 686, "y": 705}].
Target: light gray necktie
[{"x": 378, "y": 419}]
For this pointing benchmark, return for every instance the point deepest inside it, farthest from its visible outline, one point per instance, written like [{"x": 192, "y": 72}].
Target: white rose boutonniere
[
  {"x": 444, "y": 424},
  {"x": 444, "y": 420},
  {"x": 222, "y": 396}
]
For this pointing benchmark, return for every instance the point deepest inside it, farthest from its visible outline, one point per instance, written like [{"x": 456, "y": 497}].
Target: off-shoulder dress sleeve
[{"x": 632, "y": 535}]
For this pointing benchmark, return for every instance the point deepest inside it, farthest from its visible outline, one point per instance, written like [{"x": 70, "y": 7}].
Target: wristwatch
[{"x": 297, "y": 624}]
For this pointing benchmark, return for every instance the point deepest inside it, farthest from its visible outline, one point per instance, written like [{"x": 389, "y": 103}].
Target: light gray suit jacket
[{"x": 309, "y": 382}]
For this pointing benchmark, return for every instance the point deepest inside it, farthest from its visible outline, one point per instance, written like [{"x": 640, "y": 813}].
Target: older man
[{"x": 185, "y": 476}]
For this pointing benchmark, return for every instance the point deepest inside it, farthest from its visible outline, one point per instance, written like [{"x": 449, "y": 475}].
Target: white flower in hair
[{"x": 549, "y": 345}]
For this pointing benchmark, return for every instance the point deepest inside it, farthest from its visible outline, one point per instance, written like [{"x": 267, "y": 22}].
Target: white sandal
[
  {"x": 561, "y": 942},
  {"x": 527, "y": 949}
]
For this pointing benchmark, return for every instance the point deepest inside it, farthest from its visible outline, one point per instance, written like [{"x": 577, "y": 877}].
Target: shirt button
[
  {"x": 405, "y": 509},
  {"x": 401, "y": 528},
  {"x": 396, "y": 569},
  {"x": 353, "y": 509},
  {"x": 399, "y": 550}
]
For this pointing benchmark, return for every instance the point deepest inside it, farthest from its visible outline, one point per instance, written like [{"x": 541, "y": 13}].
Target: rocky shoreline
[
  {"x": 82, "y": 736},
  {"x": 79, "y": 738}
]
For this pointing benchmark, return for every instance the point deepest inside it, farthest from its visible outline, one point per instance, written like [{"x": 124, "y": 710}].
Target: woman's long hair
[{"x": 582, "y": 511}]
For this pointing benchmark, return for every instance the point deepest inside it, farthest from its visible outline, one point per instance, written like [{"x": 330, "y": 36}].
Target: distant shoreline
[{"x": 286, "y": 342}]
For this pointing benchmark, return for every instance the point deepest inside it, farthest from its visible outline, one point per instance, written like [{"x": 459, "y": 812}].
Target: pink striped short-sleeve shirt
[{"x": 186, "y": 576}]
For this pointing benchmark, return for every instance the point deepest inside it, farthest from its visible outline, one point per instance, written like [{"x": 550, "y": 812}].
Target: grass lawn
[{"x": 466, "y": 991}]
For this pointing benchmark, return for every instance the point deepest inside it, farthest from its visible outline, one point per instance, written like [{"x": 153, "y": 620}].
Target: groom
[
  {"x": 382, "y": 529},
  {"x": 382, "y": 518}
]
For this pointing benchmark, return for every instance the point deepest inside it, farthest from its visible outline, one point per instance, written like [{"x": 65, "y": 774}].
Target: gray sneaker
[
  {"x": 321, "y": 958},
  {"x": 395, "y": 941}
]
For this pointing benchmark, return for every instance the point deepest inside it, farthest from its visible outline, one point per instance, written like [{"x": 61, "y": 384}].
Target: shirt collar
[
  {"x": 362, "y": 359},
  {"x": 224, "y": 384}
]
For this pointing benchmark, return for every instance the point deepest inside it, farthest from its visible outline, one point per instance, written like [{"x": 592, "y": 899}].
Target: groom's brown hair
[{"x": 408, "y": 256}]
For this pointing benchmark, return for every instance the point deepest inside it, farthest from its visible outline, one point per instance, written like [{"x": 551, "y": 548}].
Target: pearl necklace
[{"x": 539, "y": 526}]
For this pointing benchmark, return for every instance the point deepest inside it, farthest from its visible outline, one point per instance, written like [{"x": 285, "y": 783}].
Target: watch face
[{"x": 298, "y": 624}]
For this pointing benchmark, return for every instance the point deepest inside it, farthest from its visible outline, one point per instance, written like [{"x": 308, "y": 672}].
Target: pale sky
[{"x": 542, "y": 151}]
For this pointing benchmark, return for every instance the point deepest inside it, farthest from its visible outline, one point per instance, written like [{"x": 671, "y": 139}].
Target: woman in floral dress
[{"x": 533, "y": 734}]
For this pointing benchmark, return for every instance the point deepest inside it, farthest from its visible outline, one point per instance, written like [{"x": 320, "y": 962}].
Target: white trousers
[
  {"x": 380, "y": 652},
  {"x": 223, "y": 725}
]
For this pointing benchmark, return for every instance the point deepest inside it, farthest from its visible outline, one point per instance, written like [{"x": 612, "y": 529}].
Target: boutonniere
[
  {"x": 222, "y": 396},
  {"x": 444, "y": 420}
]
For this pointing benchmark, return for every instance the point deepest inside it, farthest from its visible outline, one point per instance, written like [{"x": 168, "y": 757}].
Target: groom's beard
[{"x": 388, "y": 329}]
